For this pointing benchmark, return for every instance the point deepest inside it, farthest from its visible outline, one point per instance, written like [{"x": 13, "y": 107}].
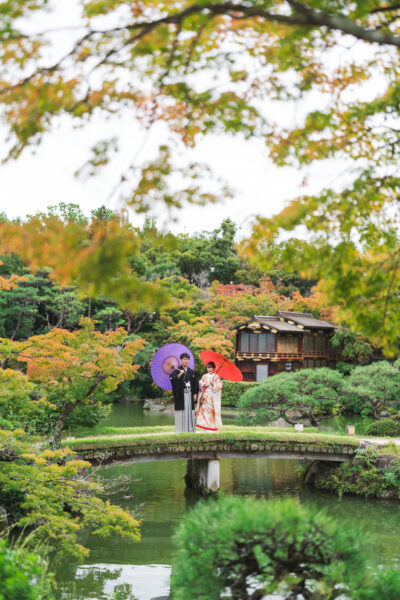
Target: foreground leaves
[
  {"x": 257, "y": 548},
  {"x": 95, "y": 256},
  {"x": 50, "y": 494}
]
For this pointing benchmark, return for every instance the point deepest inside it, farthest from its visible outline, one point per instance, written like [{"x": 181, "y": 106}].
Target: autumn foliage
[
  {"x": 70, "y": 369},
  {"x": 205, "y": 319},
  {"x": 49, "y": 491},
  {"x": 98, "y": 254}
]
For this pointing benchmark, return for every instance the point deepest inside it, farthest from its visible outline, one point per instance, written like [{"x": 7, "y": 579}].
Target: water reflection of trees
[
  {"x": 260, "y": 477},
  {"x": 377, "y": 520},
  {"x": 90, "y": 583}
]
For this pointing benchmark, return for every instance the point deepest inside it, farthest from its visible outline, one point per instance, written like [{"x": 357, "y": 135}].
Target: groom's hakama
[{"x": 184, "y": 388}]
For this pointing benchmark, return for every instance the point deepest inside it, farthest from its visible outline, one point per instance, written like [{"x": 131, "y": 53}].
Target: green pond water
[
  {"x": 126, "y": 570},
  {"x": 133, "y": 415}
]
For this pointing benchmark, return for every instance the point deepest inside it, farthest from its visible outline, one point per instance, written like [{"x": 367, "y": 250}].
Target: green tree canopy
[
  {"x": 377, "y": 387},
  {"x": 313, "y": 394},
  {"x": 51, "y": 494}
]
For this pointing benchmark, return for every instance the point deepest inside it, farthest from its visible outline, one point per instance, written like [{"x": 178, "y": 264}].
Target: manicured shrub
[
  {"x": 232, "y": 391},
  {"x": 312, "y": 394},
  {"x": 384, "y": 428},
  {"x": 23, "y": 575},
  {"x": 376, "y": 387},
  {"x": 383, "y": 584},
  {"x": 261, "y": 548}
]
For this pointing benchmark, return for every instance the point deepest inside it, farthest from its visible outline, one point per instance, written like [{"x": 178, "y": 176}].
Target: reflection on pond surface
[
  {"x": 120, "y": 582},
  {"x": 140, "y": 570}
]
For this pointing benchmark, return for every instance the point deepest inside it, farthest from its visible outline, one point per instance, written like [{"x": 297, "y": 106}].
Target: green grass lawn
[
  {"x": 107, "y": 431},
  {"x": 229, "y": 433}
]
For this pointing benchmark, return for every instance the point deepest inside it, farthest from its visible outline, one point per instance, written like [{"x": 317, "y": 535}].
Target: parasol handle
[{"x": 222, "y": 364}]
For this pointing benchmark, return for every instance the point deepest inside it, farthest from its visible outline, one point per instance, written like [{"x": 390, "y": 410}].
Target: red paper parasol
[{"x": 223, "y": 366}]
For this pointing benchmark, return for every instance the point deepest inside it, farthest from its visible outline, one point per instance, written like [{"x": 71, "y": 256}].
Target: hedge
[
  {"x": 233, "y": 390},
  {"x": 384, "y": 428}
]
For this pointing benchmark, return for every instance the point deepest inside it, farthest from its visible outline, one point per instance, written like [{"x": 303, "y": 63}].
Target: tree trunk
[
  {"x": 375, "y": 412},
  {"x": 55, "y": 437},
  {"x": 67, "y": 409},
  {"x": 22, "y": 313},
  {"x": 313, "y": 420},
  {"x": 287, "y": 419},
  {"x": 139, "y": 324}
]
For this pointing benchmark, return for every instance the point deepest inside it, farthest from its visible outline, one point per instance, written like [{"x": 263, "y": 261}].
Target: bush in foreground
[
  {"x": 23, "y": 575},
  {"x": 256, "y": 548}
]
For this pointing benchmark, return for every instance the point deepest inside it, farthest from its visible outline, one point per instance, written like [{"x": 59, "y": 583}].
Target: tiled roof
[
  {"x": 288, "y": 313},
  {"x": 300, "y": 322},
  {"x": 289, "y": 322},
  {"x": 275, "y": 323},
  {"x": 270, "y": 323},
  {"x": 305, "y": 319}
]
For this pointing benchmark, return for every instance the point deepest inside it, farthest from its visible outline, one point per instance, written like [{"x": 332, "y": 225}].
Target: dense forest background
[{"x": 207, "y": 287}]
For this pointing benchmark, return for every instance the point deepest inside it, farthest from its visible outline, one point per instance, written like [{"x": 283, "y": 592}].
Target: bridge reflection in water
[
  {"x": 203, "y": 474},
  {"x": 204, "y": 453}
]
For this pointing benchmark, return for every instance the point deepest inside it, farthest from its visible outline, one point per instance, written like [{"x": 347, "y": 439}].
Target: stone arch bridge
[{"x": 204, "y": 451}]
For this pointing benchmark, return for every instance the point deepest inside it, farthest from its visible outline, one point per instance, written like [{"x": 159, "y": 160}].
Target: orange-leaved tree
[
  {"x": 200, "y": 67},
  {"x": 73, "y": 368},
  {"x": 9, "y": 283}
]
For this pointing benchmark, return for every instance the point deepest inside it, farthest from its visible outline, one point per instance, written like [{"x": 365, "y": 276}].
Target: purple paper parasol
[{"x": 165, "y": 361}]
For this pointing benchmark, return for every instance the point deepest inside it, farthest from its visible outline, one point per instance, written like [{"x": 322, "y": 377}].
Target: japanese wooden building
[{"x": 285, "y": 342}]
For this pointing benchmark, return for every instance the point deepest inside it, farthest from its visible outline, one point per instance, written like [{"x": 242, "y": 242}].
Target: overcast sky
[{"x": 46, "y": 177}]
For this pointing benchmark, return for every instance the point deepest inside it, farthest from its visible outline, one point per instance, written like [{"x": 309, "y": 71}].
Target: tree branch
[
  {"x": 302, "y": 16},
  {"x": 382, "y": 9},
  {"x": 343, "y": 24}
]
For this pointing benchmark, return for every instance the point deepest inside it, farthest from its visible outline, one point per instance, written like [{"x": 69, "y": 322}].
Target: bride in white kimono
[{"x": 209, "y": 400}]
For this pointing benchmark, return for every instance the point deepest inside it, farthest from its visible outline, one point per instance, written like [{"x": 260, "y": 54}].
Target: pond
[
  {"x": 133, "y": 415},
  {"x": 119, "y": 569}
]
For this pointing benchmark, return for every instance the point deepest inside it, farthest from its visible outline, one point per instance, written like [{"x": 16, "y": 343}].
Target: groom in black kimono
[{"x": 185, "y": 387}]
